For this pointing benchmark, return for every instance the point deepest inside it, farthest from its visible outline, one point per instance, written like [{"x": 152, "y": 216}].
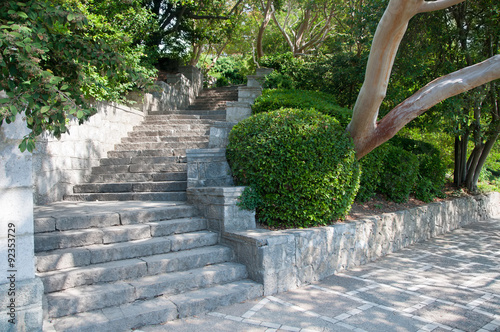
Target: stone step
[
  {"x": 143, "y": 153},
  {"x": 88, "y": 298},
  {"x": 200, "y": 113},
  {"x": 144, "y": 196},
  {"x": 130, "y": 187},
  {"x": 206, "y": 115},
  {"x": 138, "y": 177},
  {"x": 207, "y": 105},
  {"x": 175, "y": 136},
  {"x": 64, "y": 216},
  {"x": 139, "y": 168},
  {"x": 60, "y": 259},
  {"x": 116, "y": 234},
  {"x": 141, "y": 160},
  {"x": 161, "y": 309},
  {"x": 176, "y": 149},
  {"x": 167, "y": 121},
  {"x": 170, "y": 128},
  {"x": 146, "y": 137},
  {"x": 134, "y": 268}
]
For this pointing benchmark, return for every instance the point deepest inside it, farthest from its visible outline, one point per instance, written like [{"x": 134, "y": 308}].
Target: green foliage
[
  {"x": 274, "y": 99},
  {"x": 400, "y": 174},
  {"x": 230, "y": 70},
  {"x": 372, "y": 166},
  {"x": 301, "y": 163},
  {"x": 57, "y": 55},
  {"x": 400, "y": 167},
  {"x": 340, "y": 75}
]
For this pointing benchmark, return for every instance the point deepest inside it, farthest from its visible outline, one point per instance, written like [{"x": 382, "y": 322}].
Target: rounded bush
[{"x": 300, "y": 164}]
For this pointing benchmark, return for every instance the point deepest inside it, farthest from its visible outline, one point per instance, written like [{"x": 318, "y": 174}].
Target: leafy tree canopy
[{"x": 57, "y": 56}]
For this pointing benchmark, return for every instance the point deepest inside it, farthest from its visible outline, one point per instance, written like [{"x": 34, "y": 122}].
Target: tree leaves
[{"x": 56, "y": 55}]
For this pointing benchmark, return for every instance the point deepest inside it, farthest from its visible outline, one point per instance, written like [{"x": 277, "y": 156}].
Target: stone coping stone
[{"x": 287, "y": 259}]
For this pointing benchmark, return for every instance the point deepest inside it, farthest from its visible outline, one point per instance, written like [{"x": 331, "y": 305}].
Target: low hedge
[
  {"x": 300, "y": 165},
  {"x": 402, "y": 167}
]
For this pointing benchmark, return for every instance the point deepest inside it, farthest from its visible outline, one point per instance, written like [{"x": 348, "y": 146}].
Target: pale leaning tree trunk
[{"x": 366, "y": 132}]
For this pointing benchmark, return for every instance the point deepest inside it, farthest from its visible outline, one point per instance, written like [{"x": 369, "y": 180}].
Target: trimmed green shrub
[
  {"x": 301, "y": 163},
  {"x": 372, "y": 167},
  {"x": 400, "y": 174},
  {"x": 274, "y": 99}
]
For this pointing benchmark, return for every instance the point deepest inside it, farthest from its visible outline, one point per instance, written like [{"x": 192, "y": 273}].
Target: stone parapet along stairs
[
  {"x": 126, "y": 250},
  {"x": 150, "y": 163},
  {"x": 113, "y": 266}
]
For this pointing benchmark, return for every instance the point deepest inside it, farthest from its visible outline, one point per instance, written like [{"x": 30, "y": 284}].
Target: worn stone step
[
  {"x": 138, "y": 177},
  {"x": 144, "y": 196},
  {"x": 143, "y": 153},
  {"x": 176, "y": 149},
  {"x": 139, "y": 168},
  {"x": 166, "y": 131},
  {"x": 159, "y": 310},
  {"x": 63, "y": 216},
  {"x": 88, "y": 298},
  {"x": 134, "y": 268},
  {"x": 101, "y": 253},
  {"x": 130, "y": 187},
  {"x": 114, "y": 234},
  {"x": 168, "y": 121},
  {"x": 165, "y": 139},
  {"x": 167, "y": 128},
  {"x": 220, "y": 116},
  {"x": 140, "y": 160},
  {"x": 200, "y": 113},
  {"x": 165, "y": 115},
  {"x": 173, "y": 136}
]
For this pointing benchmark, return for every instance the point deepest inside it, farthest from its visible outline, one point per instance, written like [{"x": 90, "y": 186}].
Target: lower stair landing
[{"x": 120, "y": 265}]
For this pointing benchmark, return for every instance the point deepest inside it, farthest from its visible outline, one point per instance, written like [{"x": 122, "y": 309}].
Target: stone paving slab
[{"x": 450, "y": 283}]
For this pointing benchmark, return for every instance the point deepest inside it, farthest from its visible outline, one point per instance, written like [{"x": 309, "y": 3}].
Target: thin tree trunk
[{"x": 268, "y": 12}]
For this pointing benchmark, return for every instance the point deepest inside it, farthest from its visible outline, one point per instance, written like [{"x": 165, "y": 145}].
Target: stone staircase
[
  {"x": 150, "y": 164},
  {"x": 140, "y": 255}
]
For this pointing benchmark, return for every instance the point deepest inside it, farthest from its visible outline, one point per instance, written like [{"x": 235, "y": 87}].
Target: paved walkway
[{"x": 450, "y": 283}]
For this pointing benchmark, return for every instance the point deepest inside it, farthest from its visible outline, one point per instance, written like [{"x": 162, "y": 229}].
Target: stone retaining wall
[{"x": 284, "y": 260}]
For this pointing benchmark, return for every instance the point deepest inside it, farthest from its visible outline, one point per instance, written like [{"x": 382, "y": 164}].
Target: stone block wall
[
  {"x": 177, "y": 92},
  {"x": 20, "y": 292},
  {"x": 219, "y": 206},
  {"x": 208, "y": 168},
  {"x": 59, "y": 164},
  {"x": 284, "y": 260}
]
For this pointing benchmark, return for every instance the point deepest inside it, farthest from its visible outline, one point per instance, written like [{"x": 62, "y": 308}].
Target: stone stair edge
[
  {"x": 117, "y": 293},
  {"x": 128, "y": 269},
  {"x": 59, "y": 259},
  {"x": 158, "y": 310},
  {"x": 77, "y": 215}
]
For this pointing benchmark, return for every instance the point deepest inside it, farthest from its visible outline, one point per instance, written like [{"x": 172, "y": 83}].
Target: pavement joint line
[
  {"x": 429, "y": 327},
  {"x": 271, "y": 325},
  {"x": 490, "y": 327}
]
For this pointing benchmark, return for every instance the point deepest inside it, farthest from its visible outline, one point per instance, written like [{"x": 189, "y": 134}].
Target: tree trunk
[{"x": 268, "y": 12}]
